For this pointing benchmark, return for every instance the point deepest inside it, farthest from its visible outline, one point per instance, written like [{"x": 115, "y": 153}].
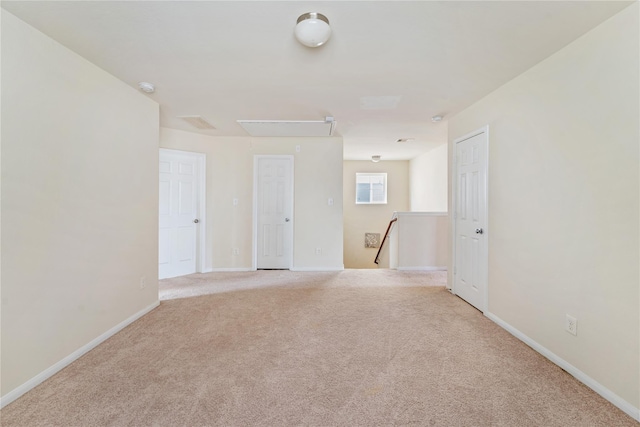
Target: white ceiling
[{"x": 239, "y": 60}]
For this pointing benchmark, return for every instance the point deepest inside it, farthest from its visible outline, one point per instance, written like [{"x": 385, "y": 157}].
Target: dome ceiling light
[
  {"x": 312, "y": 29},
  {"x": 375, "y": 159}
]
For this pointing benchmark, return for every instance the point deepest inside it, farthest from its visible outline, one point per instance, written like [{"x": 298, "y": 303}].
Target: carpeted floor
[{"x": 274, "y": 348}]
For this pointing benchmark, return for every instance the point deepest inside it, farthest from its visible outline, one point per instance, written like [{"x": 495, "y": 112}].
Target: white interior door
[
  {"x": 470, "y": 269},
  {"x": 274, "y": 212},
  {"x": 178, "y": 218}
]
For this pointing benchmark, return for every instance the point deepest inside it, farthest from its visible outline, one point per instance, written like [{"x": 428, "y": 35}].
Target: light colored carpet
[{"x": 354, "y": 348}]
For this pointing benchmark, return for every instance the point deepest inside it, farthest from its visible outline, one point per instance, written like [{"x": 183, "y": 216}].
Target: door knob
[
  {"x": 196, "y": 221},
  {"x": 479, "y": 231},
  {"x": 287, "y": 220}
]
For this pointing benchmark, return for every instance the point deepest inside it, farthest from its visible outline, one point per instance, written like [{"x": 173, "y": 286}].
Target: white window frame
[{"x": 372, "y": 174}]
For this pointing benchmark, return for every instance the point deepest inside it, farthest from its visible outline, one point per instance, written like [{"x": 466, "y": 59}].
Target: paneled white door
[
  {"x": 274, "y": 198},
  {"x": 470, "y": 268},
  {"x": 178, "y": 218}
]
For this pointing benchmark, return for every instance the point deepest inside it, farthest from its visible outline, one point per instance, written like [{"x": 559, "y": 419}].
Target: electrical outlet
[
  {"x": 236, "y": 251},
  {"x": 235, "y": 202},
  {"x": 318, "y": 251},
  {"x": 297, "y": 148},
  {"x": 143, "y": 282},
  {"x": 571, "y": 325}
]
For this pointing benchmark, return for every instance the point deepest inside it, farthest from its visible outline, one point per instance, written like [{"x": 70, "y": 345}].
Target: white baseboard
[
  {"x": 616, "y": 400},
  {"x": 430, "y": 268},
  {"x": 221, "y": 270},
  {"x": 49, "y": 372},
  {"x": 317, "y": 268}
]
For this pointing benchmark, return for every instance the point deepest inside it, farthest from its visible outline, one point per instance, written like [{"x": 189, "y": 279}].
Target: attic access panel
[{"x": 283, "y": 128}]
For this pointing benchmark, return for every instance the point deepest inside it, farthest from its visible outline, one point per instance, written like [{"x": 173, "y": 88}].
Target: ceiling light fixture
[
  {"x": 436, "y": 119},
  {"x": 146, "y": 87},
  {"x": 375, "y": 159},
  {"x": 312, "y": 29}
]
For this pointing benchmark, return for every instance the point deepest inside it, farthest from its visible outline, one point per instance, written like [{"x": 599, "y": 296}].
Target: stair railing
[{"x": 384, "y": 239}]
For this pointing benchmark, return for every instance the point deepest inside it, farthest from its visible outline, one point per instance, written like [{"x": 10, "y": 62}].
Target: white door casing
[
  {"x": 273, "y": 212},
  {"x": 181, "y": 213},
  {"x": 470, "y": 218}
]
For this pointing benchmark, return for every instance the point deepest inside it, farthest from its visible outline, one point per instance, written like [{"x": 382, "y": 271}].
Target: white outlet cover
[{"x": 571, "y": 325}]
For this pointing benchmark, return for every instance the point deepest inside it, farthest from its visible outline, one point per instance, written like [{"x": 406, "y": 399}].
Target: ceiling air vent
[{"x": 197, "y": 122}]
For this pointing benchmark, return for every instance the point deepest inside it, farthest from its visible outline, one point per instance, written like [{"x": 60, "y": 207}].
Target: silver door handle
[
  {"x": 287, "y": 220},
  {"x": 479, "y": 231},
  {"x": 196, "y": 221}
]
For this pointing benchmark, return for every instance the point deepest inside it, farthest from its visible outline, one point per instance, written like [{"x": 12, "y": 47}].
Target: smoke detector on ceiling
[
  {"x": 405, "y": 140},
  {"x": 436, "y": 119},
  {"x": 147, "y": 87}
]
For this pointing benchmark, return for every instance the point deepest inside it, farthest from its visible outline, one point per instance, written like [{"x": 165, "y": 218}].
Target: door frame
[
  {"x": 484, "y": 271},
  {"x": 201, "y": 192},
  {"x": 254, "y": 249}
]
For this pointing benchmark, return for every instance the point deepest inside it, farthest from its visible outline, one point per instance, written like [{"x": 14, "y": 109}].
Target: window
[{"x": 371, "y": 188}]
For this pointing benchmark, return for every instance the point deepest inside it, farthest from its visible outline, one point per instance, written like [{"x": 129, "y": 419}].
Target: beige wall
[
  {"x": 428, "y": 175},
  {"x": 317, "y": 175},
  {"x": 564, "y": 202},
  {"x": 361, "y": 219},
  {"x": 422, "y": 241},
  {"x": 79, "y": 202}
]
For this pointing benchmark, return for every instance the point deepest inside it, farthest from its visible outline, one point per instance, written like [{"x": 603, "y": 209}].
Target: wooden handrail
[{"x": 384, "y": 239}]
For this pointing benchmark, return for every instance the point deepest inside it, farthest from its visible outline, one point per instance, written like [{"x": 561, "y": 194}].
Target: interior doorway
[
  {"x": 273, "y": 212},
  {"x": 181, "y": 218},
  {"x": 470, "y": 260}
]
